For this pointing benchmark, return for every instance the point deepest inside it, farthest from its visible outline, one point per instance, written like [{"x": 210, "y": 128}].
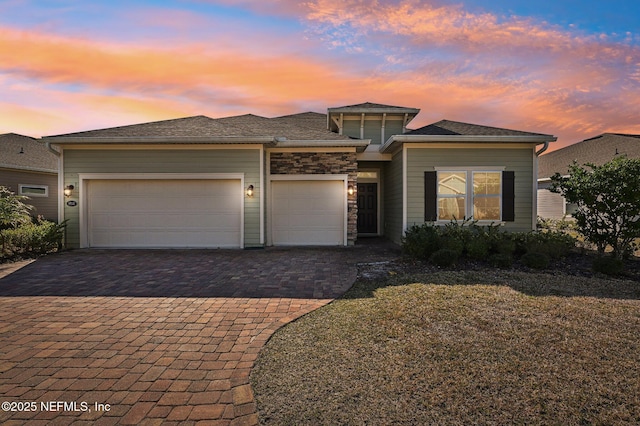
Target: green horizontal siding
[
  {"x": 373, "y": 131},
  {"x": 351, "y": 128},
  {"x": 392, "y": 127},
  {"x": 392, "y": 184},
  {"x": 245, "y": 161},
  {"x": 520, "y": 161}
]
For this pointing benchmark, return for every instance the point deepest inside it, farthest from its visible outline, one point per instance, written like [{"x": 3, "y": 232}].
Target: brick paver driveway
[{"x": 154, "y": 337}]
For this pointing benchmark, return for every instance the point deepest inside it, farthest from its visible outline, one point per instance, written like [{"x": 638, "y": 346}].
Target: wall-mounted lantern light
[
  {"x": 249, "y": 191},
  {"x": 68, "y": 190},
  {"x": 351, "y": 190}
]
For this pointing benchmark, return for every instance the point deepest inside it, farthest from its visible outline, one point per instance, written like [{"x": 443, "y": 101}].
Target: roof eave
[
  {"x": 146, "y": 140},
  {"x": 393, "y": 141},
  {"x": 396, "y": 110},
  {"x": 359, "y": 144},
  {"x": 28, "y": 168}
]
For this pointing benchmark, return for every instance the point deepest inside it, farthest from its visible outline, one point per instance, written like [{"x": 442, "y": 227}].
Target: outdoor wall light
[
  {"x": 249, "y": 191},
  {"x": 67, "y": 190},
  {"x": 351, "y": 190}
]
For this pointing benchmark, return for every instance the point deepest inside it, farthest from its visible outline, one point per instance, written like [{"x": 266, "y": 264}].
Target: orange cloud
[{"x": 66, "y": 60}]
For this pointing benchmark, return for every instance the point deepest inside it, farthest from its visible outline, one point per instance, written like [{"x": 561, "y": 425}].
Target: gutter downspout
[
  {"x": 535, "y": 184},
  {"x": 543, "y": 149},
  {"x": 53, "y": 151},
  {"x": 47, "y": 144}
]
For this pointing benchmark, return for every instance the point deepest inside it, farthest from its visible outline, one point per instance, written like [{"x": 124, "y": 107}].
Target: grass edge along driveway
[{"x": 459, "y": 347}]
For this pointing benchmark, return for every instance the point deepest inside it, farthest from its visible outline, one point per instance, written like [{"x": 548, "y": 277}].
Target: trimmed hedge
[
  {"x": 31, "y": 239},
  {"x": 491, "y": 243}
]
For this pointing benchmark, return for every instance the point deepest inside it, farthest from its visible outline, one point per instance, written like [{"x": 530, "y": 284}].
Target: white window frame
[
  {"x": 21, "y": 187},
  {"x": 469, "y": 194}
]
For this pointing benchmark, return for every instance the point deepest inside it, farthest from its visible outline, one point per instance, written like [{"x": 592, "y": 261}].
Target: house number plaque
[{"x": 72, "y": 203}]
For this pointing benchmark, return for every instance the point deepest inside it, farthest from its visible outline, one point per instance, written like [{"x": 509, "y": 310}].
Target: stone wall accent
[{"x": 322, "y": 163}]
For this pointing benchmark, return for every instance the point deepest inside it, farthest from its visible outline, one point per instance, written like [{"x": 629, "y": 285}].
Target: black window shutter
[
  {"x": 430, "y": 196},
  {"x": 508, "y": 196}
]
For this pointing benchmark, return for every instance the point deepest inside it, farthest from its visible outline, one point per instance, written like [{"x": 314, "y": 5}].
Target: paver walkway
[{"x": 162, "y": 337}]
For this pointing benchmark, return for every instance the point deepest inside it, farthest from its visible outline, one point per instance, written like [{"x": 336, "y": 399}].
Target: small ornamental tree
[
  {"x": 608, "y": 202},
  {"x": 13, "y": 211}
]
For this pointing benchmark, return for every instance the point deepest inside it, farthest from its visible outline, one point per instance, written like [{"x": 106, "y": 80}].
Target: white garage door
[
  {"x": 308, "y": 212},
  {"x": 164, "y": 213}
]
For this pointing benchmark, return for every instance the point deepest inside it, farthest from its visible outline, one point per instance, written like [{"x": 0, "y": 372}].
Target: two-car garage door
[
  {"x": 164, "y": 213},
  {"x": 181, "y": 213}
]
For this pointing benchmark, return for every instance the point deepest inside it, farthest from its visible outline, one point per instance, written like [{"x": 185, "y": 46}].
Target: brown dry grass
[{"x": 479, "y": 347}]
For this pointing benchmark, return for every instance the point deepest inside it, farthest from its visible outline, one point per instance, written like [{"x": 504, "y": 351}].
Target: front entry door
[{"x": 367, "y": 208}]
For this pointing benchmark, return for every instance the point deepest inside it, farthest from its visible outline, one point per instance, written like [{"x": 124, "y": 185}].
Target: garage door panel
[
  {"x": 308, "y": 212},
  {"x": 164, "y": 213}
]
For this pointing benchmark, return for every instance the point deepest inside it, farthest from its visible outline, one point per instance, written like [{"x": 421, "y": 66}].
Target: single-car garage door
[
  {"x": 164, "y": 213},
  {"x": 308, "y": 212}
]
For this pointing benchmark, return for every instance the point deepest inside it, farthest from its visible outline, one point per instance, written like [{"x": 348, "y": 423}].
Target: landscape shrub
[
  {"x": 421, "y": 241},
  {"x": 444, "y": 258},
  {"x": 498, "y": 247},
  {"x": 608, "y": 265},
  {"x": 32, "y": 239},
  {"x": 500, "y": 260},
  {"x": 13, "y": 209},
  {"x": 555, "y": 244},
  {"x": 607, "y": 202},
  {"x": 452, "y": 243},
  {"x": 503, "y": 244},
  {"x": 535, "y": 260},
  {"x": 478, "y": 247}
]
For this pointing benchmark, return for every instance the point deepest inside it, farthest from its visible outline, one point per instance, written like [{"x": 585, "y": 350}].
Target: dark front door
[{"x": 367, "y": 208}]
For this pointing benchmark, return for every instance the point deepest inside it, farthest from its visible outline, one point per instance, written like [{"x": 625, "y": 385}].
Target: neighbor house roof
[
  {"x": 26, "y": 153},
  {"x": 455, "y": 131},
  {"x": 597, "y": 150}
]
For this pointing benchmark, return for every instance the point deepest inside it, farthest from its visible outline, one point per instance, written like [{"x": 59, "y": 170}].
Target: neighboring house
[
  {"x": 301, "y": 179},
  {"x": 597, "y": 150},
  {"x": 28, "y": 168}
]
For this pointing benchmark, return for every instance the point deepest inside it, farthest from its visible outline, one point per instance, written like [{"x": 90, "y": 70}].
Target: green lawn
[{"x": 467, "y": 347}]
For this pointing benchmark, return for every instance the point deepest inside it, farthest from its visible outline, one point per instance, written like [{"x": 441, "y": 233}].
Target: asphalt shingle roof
[
  {"x": 448, "y": 127},
  {"x": 597, "y": 150},
  {"x": 304, "y": 126},
  {"x": 199, "y": 125},
  {"x": 26, "y": 153}
]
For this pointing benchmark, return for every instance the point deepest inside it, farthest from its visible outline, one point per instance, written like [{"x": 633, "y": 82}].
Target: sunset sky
[{"x": 570, "y": 68}]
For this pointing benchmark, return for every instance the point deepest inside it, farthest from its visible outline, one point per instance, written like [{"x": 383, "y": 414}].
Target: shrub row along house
[
  {"x": 301, "y": 179},
  {"x": 597, "y": 150}
]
